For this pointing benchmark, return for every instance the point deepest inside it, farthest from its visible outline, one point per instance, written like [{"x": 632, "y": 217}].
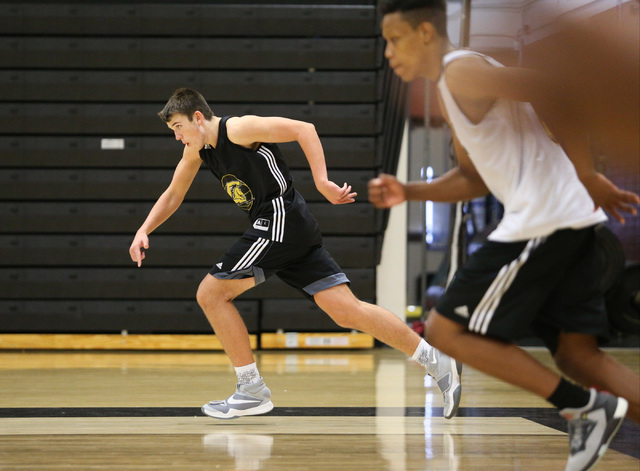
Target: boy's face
[
  {"x": 405, "y": 46},
  {"x": 190, "y": 133}
]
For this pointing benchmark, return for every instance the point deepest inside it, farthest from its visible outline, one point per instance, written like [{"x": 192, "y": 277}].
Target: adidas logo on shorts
[{"x": 462, "y": 311}]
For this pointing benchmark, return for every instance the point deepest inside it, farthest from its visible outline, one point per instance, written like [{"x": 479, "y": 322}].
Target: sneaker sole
[
  {"x": 234, "y": 413},
  {"x": 619, "y": 414}
]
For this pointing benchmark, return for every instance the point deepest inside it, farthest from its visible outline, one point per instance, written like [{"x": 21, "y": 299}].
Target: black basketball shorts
[
  {"x": 543, "y": 286},
  {"x": 310, "y": 269}
]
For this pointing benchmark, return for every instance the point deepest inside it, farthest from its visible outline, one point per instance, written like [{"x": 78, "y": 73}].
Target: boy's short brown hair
[{"x": 185, "y": 101}]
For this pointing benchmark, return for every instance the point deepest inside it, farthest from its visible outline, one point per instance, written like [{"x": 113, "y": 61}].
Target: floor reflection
[{"x": 249, "y": 451}]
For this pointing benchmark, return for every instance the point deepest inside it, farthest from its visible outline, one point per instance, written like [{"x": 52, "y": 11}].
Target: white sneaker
[
  {"x": 249, "y": 399},
  {"x": 591, "y": 429},
  {"x": 447, "y": 372}
]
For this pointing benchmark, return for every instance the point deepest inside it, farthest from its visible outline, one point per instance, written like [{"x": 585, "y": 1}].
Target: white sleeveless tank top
[{"x": 522, "y": 166}]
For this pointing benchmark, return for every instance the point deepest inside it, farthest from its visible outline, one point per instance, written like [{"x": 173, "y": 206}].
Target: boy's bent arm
[
  {"x": 461, "y": 183},
  {"x": 386, "y": 191},
  {"x": 249, "y": 130},
  {"x": 167, "y": 203},
  {"x": 454, "y": 185}
]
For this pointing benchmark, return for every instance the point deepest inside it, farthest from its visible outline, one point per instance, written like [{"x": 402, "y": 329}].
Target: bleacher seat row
[{"x": 84, "y": 156}]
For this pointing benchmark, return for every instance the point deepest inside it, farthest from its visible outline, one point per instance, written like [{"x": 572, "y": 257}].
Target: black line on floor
[{"x": 277, "y": 412}]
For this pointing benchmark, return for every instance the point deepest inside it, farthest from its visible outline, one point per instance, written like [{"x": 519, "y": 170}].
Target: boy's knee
[
  {"x": 211, "y": 292},
  {"x": 202, "y": 296},
  {"x": 342, "y": 306}
]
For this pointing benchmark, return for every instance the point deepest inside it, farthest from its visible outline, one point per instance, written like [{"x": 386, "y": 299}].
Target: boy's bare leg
[
  {"x": 216, "y": 300},
  {"x": 349, "y": 312},
  {"x": 252, "y": 396},
  {"x": 602, "y": 412},
  {"x": 502, "y": 360}
]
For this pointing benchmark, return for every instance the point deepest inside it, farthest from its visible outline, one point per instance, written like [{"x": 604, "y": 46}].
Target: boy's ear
[
  {"x": 198, "y": 117},
  {"x": 428, "y": 31}
]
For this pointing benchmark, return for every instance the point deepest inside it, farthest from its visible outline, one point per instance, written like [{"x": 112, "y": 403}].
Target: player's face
[
  {"x": 190, "y": 133},
  {"x": 404, "y": 46}
]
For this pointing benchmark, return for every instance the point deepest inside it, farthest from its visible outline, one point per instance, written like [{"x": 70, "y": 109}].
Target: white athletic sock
[
  {"x": 421, "y": 355},
  {"x": 247, "y": 374}
]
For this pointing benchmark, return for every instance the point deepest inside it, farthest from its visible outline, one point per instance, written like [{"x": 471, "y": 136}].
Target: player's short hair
[
  {"x": 185, "y": 101},
  {"x": 416, "y": 12}
]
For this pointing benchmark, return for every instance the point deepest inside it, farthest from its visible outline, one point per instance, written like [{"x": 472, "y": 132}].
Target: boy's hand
[
  {"x": 140, "y": 242},
  {"x": 336, "y": 194},
  {"x": 386, "y": 191},
  {"x": 609, "y": 197}
]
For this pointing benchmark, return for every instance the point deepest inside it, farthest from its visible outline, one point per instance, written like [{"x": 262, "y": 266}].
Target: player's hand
[
  {"x": 386, "y": 191},
  {"x": 138, "y": 246},
  {"x": 609, "y": 197},
  {"x": 336, "y": 194}
]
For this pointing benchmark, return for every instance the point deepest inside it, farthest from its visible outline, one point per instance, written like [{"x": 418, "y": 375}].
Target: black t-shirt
[{"x": 260, "y": 183}]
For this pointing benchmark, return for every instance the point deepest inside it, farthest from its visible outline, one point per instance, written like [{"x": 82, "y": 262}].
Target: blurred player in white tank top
[{"x": 540, "y": 269}]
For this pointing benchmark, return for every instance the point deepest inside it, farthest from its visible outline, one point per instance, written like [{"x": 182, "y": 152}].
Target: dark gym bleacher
[{"x": 77, "y": 79}]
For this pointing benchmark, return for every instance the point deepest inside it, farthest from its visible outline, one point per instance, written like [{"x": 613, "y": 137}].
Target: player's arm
[
  {"x": 386, "y": 191},
  {"x": 167, "y": 203},
  {"x": 461, "y": 183},
  {"x": 575, "y": 142},
  {"x": 473, "y": 81},
  {"x": 603, "y": 192},
  {"x": 473, "y": 78},
  {"x": 475, "y": 84},
  {"x": 247, "y": 131}
]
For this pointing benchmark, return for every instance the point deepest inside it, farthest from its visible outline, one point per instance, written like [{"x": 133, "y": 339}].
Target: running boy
[
  {"x": 283, "y": 240},
  {"x": 539, "y": 269}
]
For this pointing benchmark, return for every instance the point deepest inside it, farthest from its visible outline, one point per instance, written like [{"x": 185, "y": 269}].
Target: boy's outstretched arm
[
  {"x": 248, "y": 130},
  {"x": 167, "y": 204}
]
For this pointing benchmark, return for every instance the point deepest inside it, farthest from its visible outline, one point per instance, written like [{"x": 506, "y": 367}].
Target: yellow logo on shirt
[{"x": 238, "y": 190}]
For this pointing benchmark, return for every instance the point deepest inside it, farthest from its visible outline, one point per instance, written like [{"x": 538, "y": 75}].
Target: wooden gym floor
[{"x": 363, "y": 410}]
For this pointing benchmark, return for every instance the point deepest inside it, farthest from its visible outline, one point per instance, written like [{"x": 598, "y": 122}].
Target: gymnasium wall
[{"x": 83, "y": 156}]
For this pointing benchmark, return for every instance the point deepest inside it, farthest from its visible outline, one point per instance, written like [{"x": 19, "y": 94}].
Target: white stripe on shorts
[
  {"x": 277, "y": 231},
  {"x": 252, "y": 254},
  {"x": 483, "y": 313}
]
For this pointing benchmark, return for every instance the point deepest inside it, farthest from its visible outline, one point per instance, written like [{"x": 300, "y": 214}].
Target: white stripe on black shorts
[
  {"x": 544, "y": 286},
  {"x": 309, "y": 269}
]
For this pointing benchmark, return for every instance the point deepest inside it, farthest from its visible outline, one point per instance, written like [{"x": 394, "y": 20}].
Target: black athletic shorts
[
  {"x": 545, "y": 286},
  {"x": 310, "y": 269}
]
